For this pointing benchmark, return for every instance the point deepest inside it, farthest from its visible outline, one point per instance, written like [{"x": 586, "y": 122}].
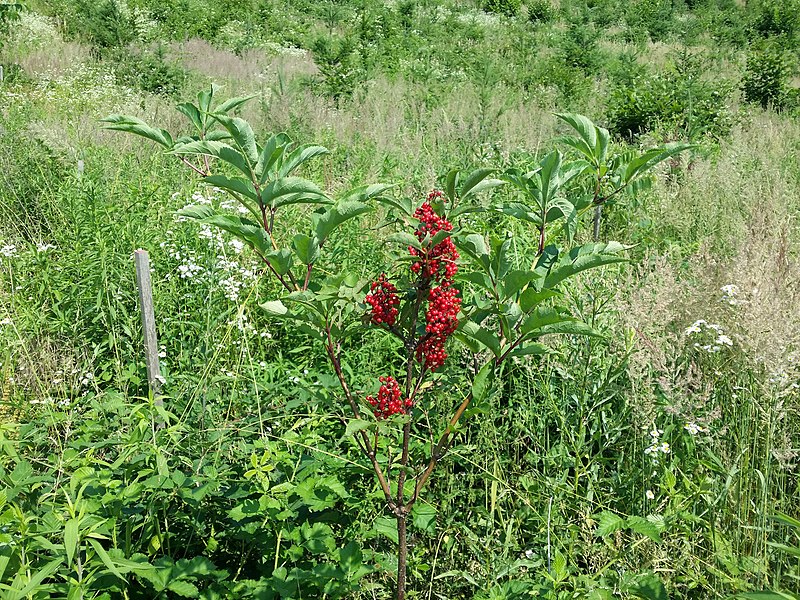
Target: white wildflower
[{"x": 649, "y": 495}]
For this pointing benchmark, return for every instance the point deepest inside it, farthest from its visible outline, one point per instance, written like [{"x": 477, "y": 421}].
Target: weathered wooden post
[
  {"x": 142, "y": 260},
  {"x": 1, "y": 74}
]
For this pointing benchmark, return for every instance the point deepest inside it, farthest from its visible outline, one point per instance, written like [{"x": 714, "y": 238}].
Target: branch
[
  {"x": 368, "y": 449},
  {"x": 438, "y": 452}
]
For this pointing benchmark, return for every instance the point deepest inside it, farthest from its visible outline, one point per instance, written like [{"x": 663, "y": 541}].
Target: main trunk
[{"x": 402, "y": 554}]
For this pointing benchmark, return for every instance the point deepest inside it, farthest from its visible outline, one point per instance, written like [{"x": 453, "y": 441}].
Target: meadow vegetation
[{"x": 656, "y": 457}]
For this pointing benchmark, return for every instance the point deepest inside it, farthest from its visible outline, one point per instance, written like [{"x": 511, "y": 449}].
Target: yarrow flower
[
  {"x": 389, "y": 401},
  {"x": 693, "y": 428},
  {"x": 384, "y": 301}
]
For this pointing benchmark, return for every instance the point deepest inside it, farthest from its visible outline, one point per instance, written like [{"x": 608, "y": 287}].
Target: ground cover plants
[{"x": 426, "y": 330}]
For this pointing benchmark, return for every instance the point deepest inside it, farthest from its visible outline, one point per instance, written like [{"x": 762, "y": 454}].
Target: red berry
[
  {"x": 384, "y": 301},
  {"x": 388, "y": 402}
]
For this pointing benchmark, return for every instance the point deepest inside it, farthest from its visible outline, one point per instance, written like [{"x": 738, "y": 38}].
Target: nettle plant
[{"x": 495, "y": 304}]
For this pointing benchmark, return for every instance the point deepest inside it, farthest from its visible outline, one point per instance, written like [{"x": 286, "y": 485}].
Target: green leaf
[
  {"x": 477, "y": 182},
  {"x": 249, "y": 232},
  {"x": 582, "y": 258},
  {"x": 306, "y": 248},
  {"x": 793, "y": 550},
  {"x": 71, "y": 537},
  {"x": 365, "y": 193},
  {"x": 644, "y": 527},
  {"x": 521, "y": 212},
  {"x": 231, "y": 104},
  {"x": 388, "y": 527},
  {"x": 514, "y": 281},
  {"x": 586, "y": 130},
  {"x": 275, "y": 308},
  {"x": 401, "y": 204},
  {"x": 219, "y": 150},
  {"x": 236, "y": 185},
  {"x": 475, "y": 246},
  {"x": 482, "y": 383},
  {"x": 608, "y": 523},
  {"x": 529, "y": 348},
  {"x": 450, "y": 184},
  {"x": 298, "y": 156},
  {"x": 36, "y": 579},
  {"x": 649, "y": 587},
  {"x": 350, "y": 558},
  {"x": 767, "y": 595},
  {"x": 543, "y": 316},
  {"x": 193, "y": 113},
  {"x": 787, "y": 520},
  {"x": 336, "y": 215},
  {"x": 292, "y": 190},
  {"x": 270, "y": 157},
  {"x": 280, "y": 260},
  {"x": 643, "y": 163},
  {"x": 356, "y": 425},
  {"x": 105, "y": 558},
  {"x": 531, "y": 298},
  {"x": 424, "y": 518},
  {"x": 242, "y": 135},
  {"x": 405, "y": 239},
  {"x": 318, "y": 538},
  {"x": 482, "y": 335},
  {"x": 136, "y": 126},
  {"x": 183, "y": 588}
]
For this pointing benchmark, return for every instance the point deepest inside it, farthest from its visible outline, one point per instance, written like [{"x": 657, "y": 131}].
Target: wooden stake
[
  {"x": 1, "y": 74},
  {"x": 142, "y": 261}
]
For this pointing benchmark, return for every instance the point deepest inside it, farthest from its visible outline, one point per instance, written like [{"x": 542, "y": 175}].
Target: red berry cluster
[
  {"x": 388, "y": 402},
  {"x": 384, "y": 301},
  {"x": 438, "y": 262},
  {"x": 441, "y": 321}
]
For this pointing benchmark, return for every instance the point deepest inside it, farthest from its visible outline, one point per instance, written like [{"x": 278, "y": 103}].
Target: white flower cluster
[
  {"x": 731, "y": 295},
  {"x": 33, "y": 32},
  {"x": 656, "y": 445},
  {"x": 234, "y": 277},
  {"x": 280, "y": 50},
  {"x": 42, "y": 248},
  {"x": 85, "y": 88},
  {"x": 702, "y": 327},
  {"x": 693, "y": 428},
  {"x": 8, "y": 250}
]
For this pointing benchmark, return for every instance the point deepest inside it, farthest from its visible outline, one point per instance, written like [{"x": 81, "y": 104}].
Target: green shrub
[
  {"x": 9, "y": 12},
  {"x": 778, "y": 18},
  {"x": 510, "y": 8},
  {"x": 540, "y": 11},
  {"x": 766, "y": 76},
  {"x": 150, "y": 71},
  {"x": 679, "y": 102},
  {"x": 650, "y": 19}
]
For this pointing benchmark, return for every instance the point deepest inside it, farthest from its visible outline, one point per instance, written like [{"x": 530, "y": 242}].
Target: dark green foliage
[
  {"x": 540, "y": 11},
  {"x": 150, "y": 71},
  {"x": 101, "y": 24},
  {"x": 651, "y": 19},
  {"x": 766, "y": 76},
  {"x": 778, "y": 18},
  {"x": 509, "y": 8},
  {"x": 9, "y": 12},
  {"x": 340, "y": 66},
  {"x": 677, "y": 102}
]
